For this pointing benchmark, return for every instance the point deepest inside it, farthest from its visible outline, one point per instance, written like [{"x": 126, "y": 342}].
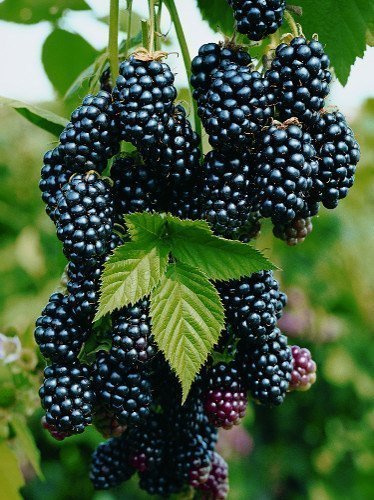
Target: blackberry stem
[
  {"x": 158, "y": 26},
  {"x": 129, "y": 26},
  {"x": 291, "y": 23},
  {"x": 151, "y": 7},
  {"x": 113, "y": 39}
]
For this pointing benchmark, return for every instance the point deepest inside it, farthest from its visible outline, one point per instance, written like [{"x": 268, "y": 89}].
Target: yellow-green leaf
[{"x": 11, "y": 479}]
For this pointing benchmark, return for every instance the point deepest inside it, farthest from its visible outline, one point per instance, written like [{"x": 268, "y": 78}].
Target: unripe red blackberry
[
  {"x": 295, "y": 231},
  {"x": 266, "y": 370},
  {"x": 304, "y": 370},
  {"x": 91, "y": 137},
  {"x": 300, "y": 78},
  {"x": 131, "y": 335},
  {"x": 84, "y": 218},
  {"x": 338, "y": 154},
  {"x": 225, "y": 401},
  {"x": 67, "y": 397},
  {"x": 58, "y": 333},
  {"x": 217, "y": 485},
  {"x": 109, "y": 465},
  {"x": 284, "y": 173},
  {"x": 258, "y": 18}
]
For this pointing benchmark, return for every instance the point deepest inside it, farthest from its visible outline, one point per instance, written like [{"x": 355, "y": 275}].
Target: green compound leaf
[
  {"x": 145, "y": 226},
  {"x": 131, "y": 273},
  {"x": 218, "y": 258},
  {"x": 187, "y": 319}
]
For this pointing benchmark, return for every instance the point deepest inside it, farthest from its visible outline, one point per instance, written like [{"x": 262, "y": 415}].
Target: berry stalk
[{"x": 113, "y": 38}]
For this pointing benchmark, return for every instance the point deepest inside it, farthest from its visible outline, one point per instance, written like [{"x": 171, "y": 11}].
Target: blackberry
[
  {"x": 266, "y": 370},
  {"x": 109, "y": 466},
  {"x": 225, "y": 401},
  {"x": 85, "y": 218},
  {"x": 235, "y": 107},
  {"x": 147, "y": 442},
  {"x": 284, "y": 172},
  {"x": 57, "y": 333},
  {"x": 295, "y": 231},
  {"x": 217, "y": 485},
  {"x": 304, "y": 370},
  {"x": 143, "y": 101},
  {"x": 54, "y": 175},
  {"x": 67, "y": 397},
  {"x": 91, "y": 137},
  {"x": 258, "y": 18},
  {"x": 105, "y": 83},
  {"x": 131, "y": 335},
  {"x": 300, "y": 77},
  {"x": 210, "y": 56},
  {"x": 136, "y": 186},
  {"x": 252, "y": 306},
  {"x": 58, "y": 435},
  {"x": 126, "y": 393},
  {"x": 162, "y": 482},
  {"x": 251, "y": 229},
  {"x": 224, "y": 192},
  {"x": 192, "y": 460},
  {"x": 338, "y": 154}
]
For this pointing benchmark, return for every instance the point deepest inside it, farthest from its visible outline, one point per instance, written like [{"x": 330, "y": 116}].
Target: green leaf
[
  {"x": 218, "y": 258},
  {"x": 11, "y": 478},
  {"x": 31, "y": 11},
  {"x": 76, "y": 55},
  {"x": 145, "y": 226},
  {"x": 187, "y": 319},
  {"x": 131, "y": 273},
  {"x": 343, "y": 27},
  {"x": 28, "y": 446},
  {"x": 218, "y": 14},
  {"x": 40, "y": 117}
]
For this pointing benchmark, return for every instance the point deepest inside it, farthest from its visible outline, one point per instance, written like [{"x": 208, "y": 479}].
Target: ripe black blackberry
[
  {"x": 192, "y": 459},
  {"x": 57, "y": 333},
  {"x": 147, "y": 443},
  {"x": 54, "y": 175},
  {"x": 58, "y": 435},
  {"x": 143, "y": 100},
  {"x": 266, "y": 370},
  {"x": 225, "y": 401},
  {"x": 91, "y": 137},
  {"x": 67, "y": 397},
  {"x": 235, "y": 107},
  {"x": 258, "y": 18},
  {"x": 217, "y": 485},
  {"x": 300, "y": 77},
  {"x": 338, "y": 154},
  {"x": 84, "y": 218},
  {"x": 295, "y": 231},
  {"x": 132, "y": 343},
  {"x": 252, "y": 306},
  {"x": 224, "y": 192},
  {"x": 162, "y": 482},
  {"x": 284, "y": 172},
  {"x": 209, "y": 57},
  {"x": 251, "y": 229},
  {"x": 126, "y": 393},
  {"x": 109, "y": 465}
]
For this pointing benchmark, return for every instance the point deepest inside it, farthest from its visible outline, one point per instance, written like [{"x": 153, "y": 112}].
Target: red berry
[
  {"x": 217, "y": 485},
  {"x": 304, "y": 369}
]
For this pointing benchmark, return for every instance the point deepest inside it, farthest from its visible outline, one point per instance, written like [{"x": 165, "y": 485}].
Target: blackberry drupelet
[
  {"x": 225, "y": 401},
  {"x": 258, "y": 18},
  {"x": 126, "y": 393},
  {"x": 300, "y": 77},
  {"x": 284, "y": 172},
  {"x": 147, "y": 443},
  {"x": 235, "y": 107},
  {"x": 105, "y": 83},
  {"x": 192, "y": 459},
  {"x": 224, "y": 200},
  {"x": 54, "y": 175},
  {"x": 295, "y": 231},
  {"x": 131, "y": 335},
  {"x": 91, "y": 137},
  {"x": 266, "y": 370},
  {"x": 58, "y": 435},
  {"x": 217, "y": 485},
  {"x": 109, "y": 465},
  {"x": 58, "y": 333},
  {"x": 162, "y": 482},
  {"x": 143, "y": 101},
  {"x": 338, "y": 154},
  {"x": 85, "y": 218},
  {"x": 304, "y": 369},
  {"x": 252, "y": 306},
  {"x": 67, "y": 397}
]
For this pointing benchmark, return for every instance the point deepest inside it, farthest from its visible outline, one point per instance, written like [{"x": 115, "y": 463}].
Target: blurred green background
[{"x": 319, "y": 445}]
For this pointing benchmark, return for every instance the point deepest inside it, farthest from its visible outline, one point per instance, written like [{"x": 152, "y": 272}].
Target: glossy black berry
[
  {"x": 91, "y": 137},
  {"x": 300, "y": 78},
  {"x": 284, "y": 172},
  {"x": 84, "y": 218},
  {"x": 266, "y": 370},
  {"x": 58, "y": 333},
  {"x": 258, "y": 18},
  {"x": 192, "y": 460},
  {"x": 147, "y": 443},
  {"x": 109, "y": 464},
  {"x": 338, "y": 153},
  {"x": 67, "y": 397}
]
